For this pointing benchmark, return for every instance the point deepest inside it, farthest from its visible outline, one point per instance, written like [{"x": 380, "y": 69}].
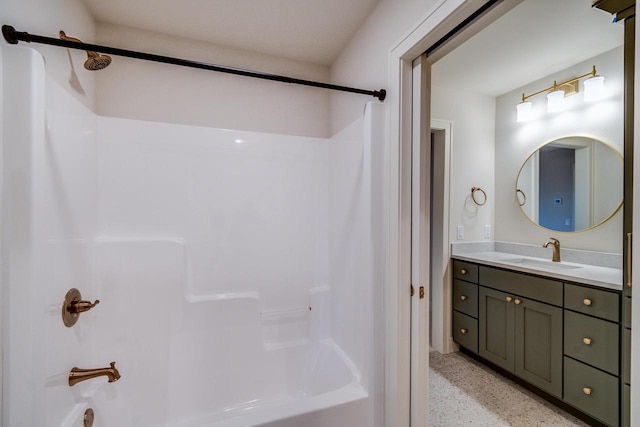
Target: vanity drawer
[
  {"x": 465, "y": 331},
  {"x": 537, "y": 288},
  {"x": 465, "y": 297},
  {"x": 592, "y": 341},
  {"x": 592, "y": 391},
  {"x": 465, "y": 271},
  {"x": 626, "y": 321},
  {"x": 594, "y": 302},
  {"x": 626, "y": 356}
]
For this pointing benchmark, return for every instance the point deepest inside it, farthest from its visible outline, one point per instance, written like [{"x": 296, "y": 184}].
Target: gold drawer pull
[
  {"x": 587, "y": 302},
  {"x": 509, "y": 299},
  {"x": 587, "y": 341},
  {"x": 463, "y": 297},
  {"x": 587, "y": 390},
  {"x": 463, "y": 331},
  {"x": 463, "y": 271},
  {"x": 517, "y": 301}
]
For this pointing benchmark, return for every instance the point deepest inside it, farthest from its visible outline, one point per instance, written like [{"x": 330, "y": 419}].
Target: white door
[{"x": 420, "y": 224}]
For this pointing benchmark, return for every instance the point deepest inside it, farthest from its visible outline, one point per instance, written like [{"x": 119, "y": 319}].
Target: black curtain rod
[{"x": 12, "y": 36}]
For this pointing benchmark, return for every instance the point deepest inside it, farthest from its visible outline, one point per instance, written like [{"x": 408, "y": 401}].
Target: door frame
[
  {"x": 441, "y": 302},
  {"x": 436, "y": 24}
]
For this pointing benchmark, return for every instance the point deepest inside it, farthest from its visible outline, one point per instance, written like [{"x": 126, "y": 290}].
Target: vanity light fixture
[
  {"x": 555, "y": 100},
  {"x": 593, "y": 89}
]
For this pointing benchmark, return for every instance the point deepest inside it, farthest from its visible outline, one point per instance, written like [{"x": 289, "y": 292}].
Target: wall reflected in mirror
[{"x": 571, "y": 184}]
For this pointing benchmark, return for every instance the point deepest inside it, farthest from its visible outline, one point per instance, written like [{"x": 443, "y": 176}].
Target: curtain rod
[{"x": 12, "y": 36}]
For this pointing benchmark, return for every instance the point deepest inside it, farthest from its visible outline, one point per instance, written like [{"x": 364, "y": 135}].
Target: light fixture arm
[{"x": 556, "y": 84}]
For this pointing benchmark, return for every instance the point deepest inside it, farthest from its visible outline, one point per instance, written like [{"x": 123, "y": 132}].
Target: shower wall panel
[
  {"x": 250, "y": 207},
  {"x": 356, "y": 251}
]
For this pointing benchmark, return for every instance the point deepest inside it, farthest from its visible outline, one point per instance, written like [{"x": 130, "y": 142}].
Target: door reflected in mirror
[{"x": 571, "y": 184}]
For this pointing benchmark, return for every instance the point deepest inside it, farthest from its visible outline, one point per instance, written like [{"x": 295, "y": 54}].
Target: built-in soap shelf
[{"x": 286, "y": 327}]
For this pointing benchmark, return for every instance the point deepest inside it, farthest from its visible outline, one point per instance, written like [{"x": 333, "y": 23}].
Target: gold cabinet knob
[
  {"x": 587, "y": 390},
  {"x": 517, "y": 301},
  {"x": 463, "y": 331},
  {"x": 587, "y": 341},
  {"x": 587, "y": 302},
  {"x": 463, "y": 271},
  {"x": 463, "y": 297},
  {"x": 509, "y": 299}
]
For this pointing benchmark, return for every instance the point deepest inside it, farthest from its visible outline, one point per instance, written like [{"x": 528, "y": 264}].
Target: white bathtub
[{"x": 327, "y": 388}]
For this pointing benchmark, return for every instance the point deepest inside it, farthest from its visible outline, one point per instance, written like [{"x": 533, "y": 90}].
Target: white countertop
[{"x": 605, "y": 277}]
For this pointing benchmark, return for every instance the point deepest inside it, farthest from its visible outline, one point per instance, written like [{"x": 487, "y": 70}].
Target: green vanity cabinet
[
  {"x": 565, "y": 339},
  {"x": 522, "y": 336}
]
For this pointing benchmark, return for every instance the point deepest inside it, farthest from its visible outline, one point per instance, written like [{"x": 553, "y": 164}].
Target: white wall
[
  {"x": 47, "y": 18},
  {"x": 157, "y": 92},
  {"x": 364, "y": 62},
  {"x": 516, "y": 141},
  {"x": 472, "y": 156},
  {"x": 131, "y": 88}
]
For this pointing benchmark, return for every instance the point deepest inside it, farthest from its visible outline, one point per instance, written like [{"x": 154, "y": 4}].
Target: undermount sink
[{"x": 528, "y": 262}]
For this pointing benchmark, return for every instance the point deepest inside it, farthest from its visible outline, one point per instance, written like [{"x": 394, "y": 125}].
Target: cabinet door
[
  {"x": 538, "y": 345},
  {"x": 496, "y": 324}
]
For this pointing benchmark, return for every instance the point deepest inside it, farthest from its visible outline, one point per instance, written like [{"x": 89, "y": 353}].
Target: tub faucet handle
[
  {"x": 82, "y": 306},
  {"x": 73, "y": 305}
]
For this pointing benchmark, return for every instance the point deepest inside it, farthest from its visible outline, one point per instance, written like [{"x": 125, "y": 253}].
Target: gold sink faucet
[
  {"x": 78, "y": 375},
  {"x": 556, "y": 248}
]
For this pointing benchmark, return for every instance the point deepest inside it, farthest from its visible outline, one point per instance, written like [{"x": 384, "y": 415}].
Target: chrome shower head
[{"x": 95, "y": 61}]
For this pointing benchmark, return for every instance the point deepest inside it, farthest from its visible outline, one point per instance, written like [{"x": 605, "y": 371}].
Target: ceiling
[
  {"x": 313, "y": 31},
  {"x": 533, "y": 40}
]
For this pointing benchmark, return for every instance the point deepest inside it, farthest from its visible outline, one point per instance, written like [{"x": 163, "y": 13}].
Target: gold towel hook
[
  {"x": 473, "y": 196},
  {"x": 524, "y": 197}
]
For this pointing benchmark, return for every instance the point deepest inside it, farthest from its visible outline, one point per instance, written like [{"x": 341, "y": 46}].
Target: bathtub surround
[{"x": 209, "y": 250}]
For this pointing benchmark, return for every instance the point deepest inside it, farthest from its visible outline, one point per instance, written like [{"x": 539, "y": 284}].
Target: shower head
[{"x": 95, "y": 61}]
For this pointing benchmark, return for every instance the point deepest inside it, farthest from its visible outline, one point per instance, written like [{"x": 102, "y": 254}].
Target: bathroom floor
[{"x": 463, "y": 392}]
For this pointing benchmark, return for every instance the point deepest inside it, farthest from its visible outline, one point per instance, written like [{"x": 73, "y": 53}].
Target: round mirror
[{"x": 571, "y": 184}]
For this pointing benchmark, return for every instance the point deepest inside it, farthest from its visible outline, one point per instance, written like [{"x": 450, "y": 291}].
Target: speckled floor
[{"x": 463, "y": 392}]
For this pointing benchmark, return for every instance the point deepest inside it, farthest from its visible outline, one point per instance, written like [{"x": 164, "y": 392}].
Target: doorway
[
  {"x": 440, "y": 278},
  {"x": 431, "y": 32}
]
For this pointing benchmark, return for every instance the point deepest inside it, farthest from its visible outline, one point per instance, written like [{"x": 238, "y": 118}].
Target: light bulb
[
  {"x": 594, "y": 88},
  {"x": 555, "y": 101},
  {"x": 524, "y": 111}
]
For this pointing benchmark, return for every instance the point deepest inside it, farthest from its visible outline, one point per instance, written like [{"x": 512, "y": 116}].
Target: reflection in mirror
[{"x": 571, "y": 184}]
